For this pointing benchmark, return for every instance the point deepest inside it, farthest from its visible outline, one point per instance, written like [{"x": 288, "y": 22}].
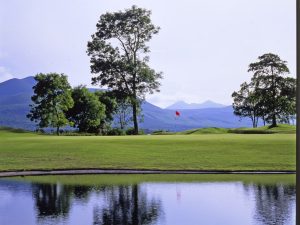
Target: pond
[{"x": 148, "y": 199}]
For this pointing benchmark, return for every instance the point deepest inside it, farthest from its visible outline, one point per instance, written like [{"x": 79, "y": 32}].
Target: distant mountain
[
  {"x": 15, "y": 97},
  {"x": 16, "y": 86},
  {"x": 183, "y": 105}
]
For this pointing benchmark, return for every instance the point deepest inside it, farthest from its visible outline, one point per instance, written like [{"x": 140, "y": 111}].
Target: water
[{"x": 148, "y": 199}]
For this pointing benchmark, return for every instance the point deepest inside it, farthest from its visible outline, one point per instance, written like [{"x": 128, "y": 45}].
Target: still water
[{"x": 149, "y": 199}]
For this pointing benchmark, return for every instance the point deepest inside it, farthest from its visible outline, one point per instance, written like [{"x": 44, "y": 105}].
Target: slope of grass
[
  {"x": 27, "y": 151},
  {"x": 209, "y": 130},
  {"x": 281, "y": 128}
]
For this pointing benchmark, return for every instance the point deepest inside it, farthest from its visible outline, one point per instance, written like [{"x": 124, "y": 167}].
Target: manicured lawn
[{"x": 27, "y": 151}]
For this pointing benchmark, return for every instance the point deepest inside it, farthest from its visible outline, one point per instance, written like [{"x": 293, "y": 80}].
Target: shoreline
[{"x": 135, "y": 171}]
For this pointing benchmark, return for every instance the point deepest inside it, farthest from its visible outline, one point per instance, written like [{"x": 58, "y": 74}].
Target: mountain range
[
  {"x": 183, "y": 105},
  {"x": 15, "y": 97}
]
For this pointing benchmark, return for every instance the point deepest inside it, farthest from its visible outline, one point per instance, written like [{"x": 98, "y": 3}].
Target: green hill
[{"x": 281, "y": 129}]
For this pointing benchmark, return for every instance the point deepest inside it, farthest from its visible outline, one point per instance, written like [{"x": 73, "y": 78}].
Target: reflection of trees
[
  {"x": 52, "y": 199},
  {"x": 124, "y": 205},
  {"x": 127, "y": 205},
  {"x": 273, "y": 203}
]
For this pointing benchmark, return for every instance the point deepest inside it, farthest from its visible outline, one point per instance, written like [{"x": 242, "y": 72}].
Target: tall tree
[
  {"x": 118, "y": 52},
  {"x": 87, "y": 112},
  {"x": 51, "y": 99},
  {"x": 269, "y": 70}
]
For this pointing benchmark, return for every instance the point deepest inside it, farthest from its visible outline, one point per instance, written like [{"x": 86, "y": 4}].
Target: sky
[{"x": 204, "y": 47}]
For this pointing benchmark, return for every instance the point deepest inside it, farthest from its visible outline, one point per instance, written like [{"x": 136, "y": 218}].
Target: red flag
[{"x": 177, "y": 113}]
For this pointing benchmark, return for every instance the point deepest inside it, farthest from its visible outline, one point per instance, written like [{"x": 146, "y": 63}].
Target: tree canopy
[
  {"x": 269, "y": 95},
  {"x": 51, "y": 99},
  {"x": 87, "y": 112},
  {"x": 119, "y": 55}
]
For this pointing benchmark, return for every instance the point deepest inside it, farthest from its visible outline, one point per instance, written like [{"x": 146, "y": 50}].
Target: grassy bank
[
  {"x": 28, "y": 151},
  {"x": 280, "y": 129},
  {"x": 158, "y": 178}
]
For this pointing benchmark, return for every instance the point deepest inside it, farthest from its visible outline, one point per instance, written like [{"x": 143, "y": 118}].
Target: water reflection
[
  {"x": 127, "y": 205},
  {"x": 123, "y": 205},
  {"x": 52, "y": 199},
  {"x": 147, "y": 203},
  {"x": 273, "y": 203}
]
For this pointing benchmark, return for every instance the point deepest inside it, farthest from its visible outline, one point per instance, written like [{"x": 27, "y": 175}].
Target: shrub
[
  {"x": 130, "y": 131},
  {"x": 116, "y": 132}
]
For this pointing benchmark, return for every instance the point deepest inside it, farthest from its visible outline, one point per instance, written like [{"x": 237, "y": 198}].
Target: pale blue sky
[{"x": 204, "y": 46}]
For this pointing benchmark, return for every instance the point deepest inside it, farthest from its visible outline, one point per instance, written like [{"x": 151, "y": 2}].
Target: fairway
[{"x": 28, "y": 151}]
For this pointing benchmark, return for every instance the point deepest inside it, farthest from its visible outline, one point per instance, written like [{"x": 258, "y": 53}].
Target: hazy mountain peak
[
  {"x": 205, "y": 104},
  {"x": 15, "y": 86}
]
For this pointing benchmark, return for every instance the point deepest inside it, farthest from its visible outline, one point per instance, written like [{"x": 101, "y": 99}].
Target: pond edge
[{"x": 136, "y": 171}]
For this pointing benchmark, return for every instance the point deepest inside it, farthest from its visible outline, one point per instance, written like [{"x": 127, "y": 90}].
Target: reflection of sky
[
  {"x": 80, "y": 210},
  {"x": 16, "y": 207},
  {"x": 182, "y": 203},
  {"x": 205, "y": 203}
]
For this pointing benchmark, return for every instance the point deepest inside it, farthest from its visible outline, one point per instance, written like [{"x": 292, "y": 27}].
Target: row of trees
[
  {"x": 119, "y": 60},
  {"x": 268, "y": 96},
  {"x": 56, "y": 104}
]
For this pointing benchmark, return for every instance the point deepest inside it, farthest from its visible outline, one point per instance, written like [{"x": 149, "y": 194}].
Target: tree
[
  {"x": 51, "y": 99},
  {"x": 87, "y": 112},
  {"x": 269, "y": 95},
  {"x": 123, "y": 113},
  {"x": 268, "y": 70},
  {"x": 106, "y": 98},
  {"x": 118, "y": 52},
  {"x": 287, "y": 99},
  {"x": 246, "y": 103}
]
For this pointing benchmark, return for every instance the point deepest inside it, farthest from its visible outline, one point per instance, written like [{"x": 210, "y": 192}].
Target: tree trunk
[
  {"x": 256, "y": 121},
  {"x": 121, "y": 122},
  {"x": 274, "y": 122},
  {"x": 253, "y": 122},
  {"x": 134, "y": 113},
  {"x": 57, "y": 131}
]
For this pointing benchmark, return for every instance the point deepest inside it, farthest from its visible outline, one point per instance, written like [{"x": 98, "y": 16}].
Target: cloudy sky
[{"x": 204, "y": 46}]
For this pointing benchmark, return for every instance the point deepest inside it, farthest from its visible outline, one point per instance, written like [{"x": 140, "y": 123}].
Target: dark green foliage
[
  {"x": 246, "y": 103},
  {"x": 278, "y": 92},
  {"x": 87, "y": 112},
  {"x": 108, "y": 100},
  {"x": 119, "y": 57},
  {"x": 131, "y": 131},
  {"x": 51, "y": 99},
  {"x": 116, "y": 132},
  {"x": 268, "y": 96}
]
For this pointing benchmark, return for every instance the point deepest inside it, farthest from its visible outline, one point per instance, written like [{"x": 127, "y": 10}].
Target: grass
[
  {"x": 280, "y": 129},
  {"x": 28, "y": 151},
  {"x": 92, "y": 180},
  {"x": 209, "y": 130}
]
